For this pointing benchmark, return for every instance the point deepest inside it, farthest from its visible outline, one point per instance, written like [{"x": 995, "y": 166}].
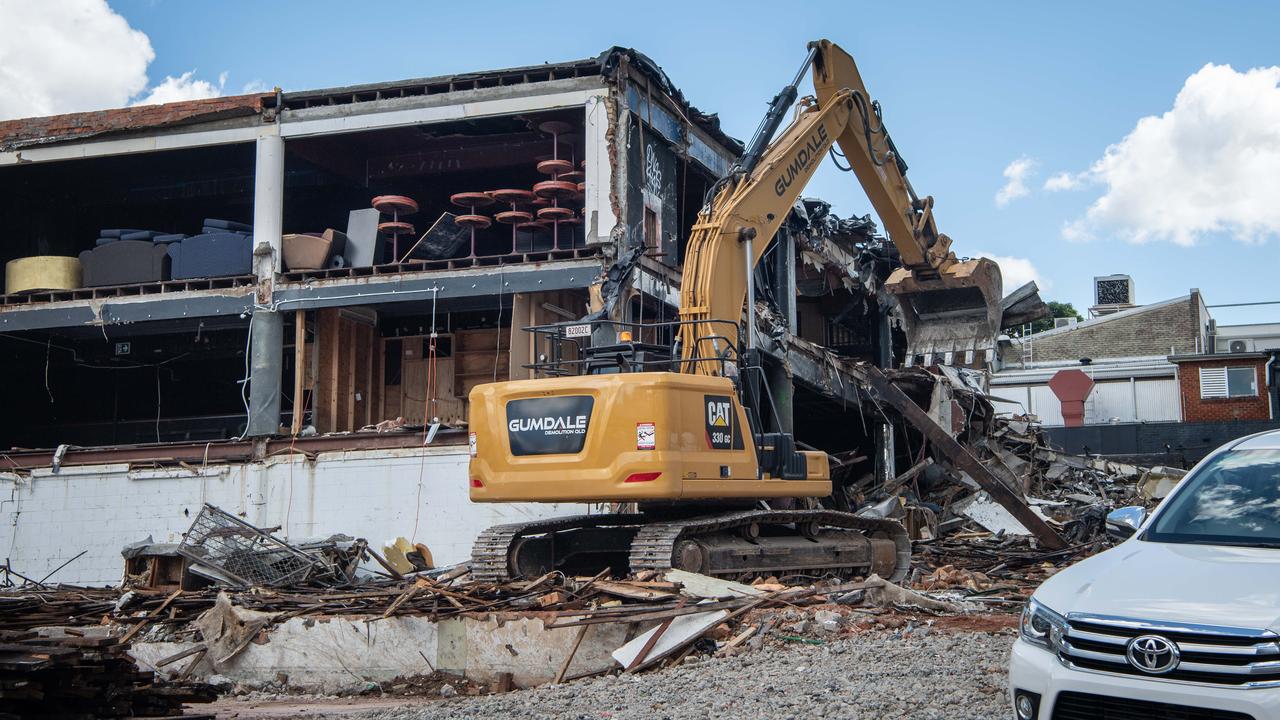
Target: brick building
[
  {"x": 1170, "y": 327},
  {"x": 1225, "y": 387}
]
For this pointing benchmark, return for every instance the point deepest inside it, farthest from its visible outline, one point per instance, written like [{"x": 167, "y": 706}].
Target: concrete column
[
  {"x": 268, "y": 203},
  {"x": 598, "y": 201},
  {"x": 886, "y": 461},
  {"x": 265, "y": 355},
  {"x": 266, "y": 348}
]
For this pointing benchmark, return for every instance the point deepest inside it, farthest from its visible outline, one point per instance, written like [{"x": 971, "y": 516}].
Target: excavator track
[
  {"x": 655, "y": 543},
  {"x": 491, "y": 553}
]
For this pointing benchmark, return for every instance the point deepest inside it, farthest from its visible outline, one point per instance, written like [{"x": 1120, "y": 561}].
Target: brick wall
[
  {"x": 1152, "y": 332},
  {"x": 1197, "y": 409},
  {"x": 37, "y": 130}
]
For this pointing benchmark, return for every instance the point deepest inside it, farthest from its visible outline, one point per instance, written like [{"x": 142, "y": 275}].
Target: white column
[
  {"x": 266, "y": 327},
  {"x": 600, "y": 220},
  {"x": 268, "y": 203}
]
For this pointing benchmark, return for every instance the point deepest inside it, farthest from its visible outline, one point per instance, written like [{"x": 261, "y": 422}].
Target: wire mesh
[{"x": 245, "y": 554}]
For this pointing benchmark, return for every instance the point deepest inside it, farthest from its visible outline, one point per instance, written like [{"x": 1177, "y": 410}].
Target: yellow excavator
[{"x": 677, "y": 430}]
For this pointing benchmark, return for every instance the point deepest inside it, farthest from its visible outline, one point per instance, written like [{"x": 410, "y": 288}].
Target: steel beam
[
  {"x": 438, "y": 284},
  {"x": 125, "y": 311},
  {"x": 224, "y": 451}
]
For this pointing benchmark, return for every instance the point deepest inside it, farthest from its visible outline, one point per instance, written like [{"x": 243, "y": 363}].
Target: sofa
[
  {"x": 211, "y": 254},
  {"x": 124, "y": 262}
]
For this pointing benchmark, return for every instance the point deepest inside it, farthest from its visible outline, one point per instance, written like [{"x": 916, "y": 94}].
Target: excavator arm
[
  {"x": 733, "y": 231},
  {"x": 947, "y": 306}
]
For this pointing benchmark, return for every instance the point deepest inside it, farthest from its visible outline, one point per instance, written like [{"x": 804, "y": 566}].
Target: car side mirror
[{"x": 1123, "y": 522}]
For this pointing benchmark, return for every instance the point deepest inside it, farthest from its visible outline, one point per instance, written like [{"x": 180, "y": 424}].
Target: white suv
[{"x": 1182, "y": 620}]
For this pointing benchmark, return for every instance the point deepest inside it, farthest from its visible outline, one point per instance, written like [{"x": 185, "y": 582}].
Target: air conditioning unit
[
  {"x": 1064, "y": 322},
  {"x": 1113, "y": 290},
  {"x": 1240, "y": 346}
]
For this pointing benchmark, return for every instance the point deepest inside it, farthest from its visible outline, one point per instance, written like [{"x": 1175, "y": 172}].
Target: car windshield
[{"x": 1232, "y": 500}]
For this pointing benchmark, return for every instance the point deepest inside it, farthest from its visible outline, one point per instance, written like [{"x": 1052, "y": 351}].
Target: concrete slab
[{"x": 341, "y": 654}]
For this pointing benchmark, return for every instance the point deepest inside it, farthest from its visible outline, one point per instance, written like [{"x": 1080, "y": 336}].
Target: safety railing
[{"x": 567, "y": 348}]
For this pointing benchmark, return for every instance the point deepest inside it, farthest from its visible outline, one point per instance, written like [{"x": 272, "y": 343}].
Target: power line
[{"x": 1247, "y": 304}]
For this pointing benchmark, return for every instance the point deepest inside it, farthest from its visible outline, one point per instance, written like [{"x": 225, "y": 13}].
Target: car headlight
[{"x": 1042, "y": 626}]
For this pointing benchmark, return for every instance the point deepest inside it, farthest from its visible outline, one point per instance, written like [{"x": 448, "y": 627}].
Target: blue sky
[{"x": 967, "y": 88}]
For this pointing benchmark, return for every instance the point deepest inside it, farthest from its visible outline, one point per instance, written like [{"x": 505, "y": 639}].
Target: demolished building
[{"x": 291, "y": 294}]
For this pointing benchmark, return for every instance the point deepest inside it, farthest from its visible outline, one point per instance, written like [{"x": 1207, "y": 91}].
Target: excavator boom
[{"x": 948, "y": 306}]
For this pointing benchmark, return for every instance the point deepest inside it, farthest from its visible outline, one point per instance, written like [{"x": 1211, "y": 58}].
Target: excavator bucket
[{"x": 950, "y": 315}]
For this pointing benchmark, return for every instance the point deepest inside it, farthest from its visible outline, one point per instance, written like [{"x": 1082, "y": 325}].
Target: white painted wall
[
  {"x": 1139, "y": 400},
  {"x": 47, "y": 519}
]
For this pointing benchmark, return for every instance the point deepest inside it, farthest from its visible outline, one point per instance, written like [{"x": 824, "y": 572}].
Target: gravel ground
[{"x": 915, "y": 674}]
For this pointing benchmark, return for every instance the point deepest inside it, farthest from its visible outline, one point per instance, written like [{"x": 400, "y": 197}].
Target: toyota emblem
[{"x": 1153, "y": 654}]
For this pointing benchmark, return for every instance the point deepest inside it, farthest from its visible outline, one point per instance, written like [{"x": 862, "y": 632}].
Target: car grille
[
  {"x": 1082, "y": 706},
  {"x": 1215, "y": 655}
]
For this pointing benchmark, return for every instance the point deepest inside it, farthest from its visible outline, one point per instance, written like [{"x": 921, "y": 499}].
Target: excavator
[{"x": 713, "y": 491}]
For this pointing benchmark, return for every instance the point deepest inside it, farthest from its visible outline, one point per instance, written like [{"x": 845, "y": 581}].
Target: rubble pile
[
  {"x": 81, "y": 676},
  {"x": 228, "y": 583}
]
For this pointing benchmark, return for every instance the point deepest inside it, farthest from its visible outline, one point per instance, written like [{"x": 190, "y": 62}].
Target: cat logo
[
  {"x": 718, "y": 414},
  {"x": 721, "y": 433}
]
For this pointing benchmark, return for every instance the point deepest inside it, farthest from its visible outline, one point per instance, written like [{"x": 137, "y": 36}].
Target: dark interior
[
  {"x": 161, "y": 383},
  {"x": 58, "y": 208},
  {"x": 326, "y": 177},
  {"x": 183, "y": 380}
]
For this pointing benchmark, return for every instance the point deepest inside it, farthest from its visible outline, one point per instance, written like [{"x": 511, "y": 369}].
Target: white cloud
[
  {"x": 183, "y": 87},
  {"x": 1066, "y": 181},
  {"x": 1015, "y": 271},
  {"x": 1016, "y": 174},
  {"x": 61, "y": 56},
  {"x": 254, "y": 86},
  {"x": 1207, "y": 166}
]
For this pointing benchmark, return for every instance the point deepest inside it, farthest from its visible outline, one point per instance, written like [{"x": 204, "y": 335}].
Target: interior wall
[{"x": 366, "y": 365}]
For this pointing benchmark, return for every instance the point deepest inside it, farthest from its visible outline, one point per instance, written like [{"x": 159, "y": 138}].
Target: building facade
[{"x": 195, "y": 357}]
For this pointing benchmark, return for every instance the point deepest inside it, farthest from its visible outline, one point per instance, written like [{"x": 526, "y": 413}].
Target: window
[
  {"x": 1228, "y": 382},
  {"x": 1232, "y": 500}
]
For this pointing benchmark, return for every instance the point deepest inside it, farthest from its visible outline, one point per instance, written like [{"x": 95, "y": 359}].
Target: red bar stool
[
  {"x": 472, "y": 221},
  {"x": 515, "y": 216},
  {"x": 395, "y": 206}
]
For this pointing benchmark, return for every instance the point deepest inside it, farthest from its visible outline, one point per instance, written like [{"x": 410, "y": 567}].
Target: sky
[{"x": 1065, "y": 140}]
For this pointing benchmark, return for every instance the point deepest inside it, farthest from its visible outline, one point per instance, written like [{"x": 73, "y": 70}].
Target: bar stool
[
  {"x": 515, "y": 216},
  {"x": 472, "y": 221},
  {"x": 395, "y": 206}
]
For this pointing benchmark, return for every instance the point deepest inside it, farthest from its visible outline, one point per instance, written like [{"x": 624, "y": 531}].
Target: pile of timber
[{"x": 83, "y": 677}]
